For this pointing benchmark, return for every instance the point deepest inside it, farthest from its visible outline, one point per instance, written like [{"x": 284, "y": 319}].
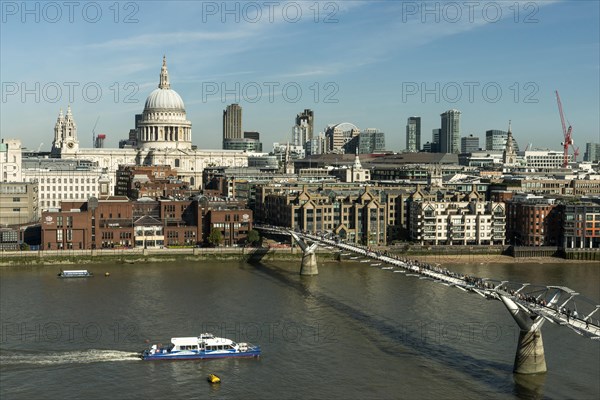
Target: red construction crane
[{"x": 568, "y": 138}]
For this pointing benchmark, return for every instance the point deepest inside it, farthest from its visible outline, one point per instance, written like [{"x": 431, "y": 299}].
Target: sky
[{"x": 371, "y": 63}]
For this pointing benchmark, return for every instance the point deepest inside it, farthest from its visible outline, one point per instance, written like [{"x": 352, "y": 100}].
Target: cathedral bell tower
[{"x": 65, "y": 135}]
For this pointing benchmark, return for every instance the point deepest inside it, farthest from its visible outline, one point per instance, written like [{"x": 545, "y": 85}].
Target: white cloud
[{"x": 168, "y": 39}]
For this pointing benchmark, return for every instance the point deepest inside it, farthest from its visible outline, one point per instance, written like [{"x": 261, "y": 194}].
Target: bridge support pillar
[
  {"x": 530, "y": 358},
  {"x": 309, "y": 258},
  {"x": 309, "y": 264}
]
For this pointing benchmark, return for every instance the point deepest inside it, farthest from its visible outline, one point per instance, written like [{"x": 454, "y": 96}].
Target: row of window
[
  {"x": 68, "y": 188},
  {"x": 458, "y": 236},
  {"x": 70, "y": 180},
  {"x": 76, "y": 195},
  {"x": 229, "y": 225},
  {"x": 149, "y": 232},
  {"x": 186, "y": 234},
  {"x": 59, "y": 221},
  {"x": 60, "y": 235}
]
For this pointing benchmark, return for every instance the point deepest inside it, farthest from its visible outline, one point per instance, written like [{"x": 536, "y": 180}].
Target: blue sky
[{"x": 370, "y": 63}]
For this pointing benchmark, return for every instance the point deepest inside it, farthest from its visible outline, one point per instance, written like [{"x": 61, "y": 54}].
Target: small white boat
[
  {"x": 375, "y": 265},
  {"x": 387, "y": 268},
  {"x": 75, "y": 273}
]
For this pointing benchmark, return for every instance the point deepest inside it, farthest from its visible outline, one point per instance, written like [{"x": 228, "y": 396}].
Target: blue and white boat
[
  {"x": 75, "y": 273},
  {"x": 201, "y": 347}
]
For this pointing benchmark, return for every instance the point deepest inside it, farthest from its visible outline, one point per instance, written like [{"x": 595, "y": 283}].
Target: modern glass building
[
  {"x": 469, "y": 144},
  {"x": 450, "y": 132},
  {"x": 371, "y": 141},
  {"x": 413, "y": 134},
  {"x": 495, "y": 140}
]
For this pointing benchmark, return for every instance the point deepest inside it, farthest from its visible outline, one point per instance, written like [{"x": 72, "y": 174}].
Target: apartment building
[{"x": 472, "y": 221}]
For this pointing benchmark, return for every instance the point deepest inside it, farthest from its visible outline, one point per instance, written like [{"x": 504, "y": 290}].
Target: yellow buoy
[
  {"x": 212, "y": 378},
  {"x": 107, "y": 274}
]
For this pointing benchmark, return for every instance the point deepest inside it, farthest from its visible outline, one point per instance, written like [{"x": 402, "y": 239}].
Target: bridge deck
[{"x": 551, "y": 310}]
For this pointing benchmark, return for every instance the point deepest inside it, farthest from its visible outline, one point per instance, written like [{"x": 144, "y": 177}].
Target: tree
[
  {"x": 215, "y": 237},
  {"x": 253, "y": 236}
]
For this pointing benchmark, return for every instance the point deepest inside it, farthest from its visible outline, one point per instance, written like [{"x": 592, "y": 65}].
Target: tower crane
[
  {"x": 567, "y": 133},
  {"x": 575, "y": 153},
  {"x": 94, "y": 133}
]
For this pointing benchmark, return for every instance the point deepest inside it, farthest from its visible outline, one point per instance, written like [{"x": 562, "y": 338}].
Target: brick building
[
  {"x": 582, "y": 224},
  {"x": 533, "y": 221},
  {"x": 117, "y": 222},
  {"x": 150, "y": 181}
]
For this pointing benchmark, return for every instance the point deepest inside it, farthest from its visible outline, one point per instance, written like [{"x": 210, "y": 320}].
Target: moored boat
[
  {"x": 75, "y": 273},
  {"x": 200, "y": 347}
]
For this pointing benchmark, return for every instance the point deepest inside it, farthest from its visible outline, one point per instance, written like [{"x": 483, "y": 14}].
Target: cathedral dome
[
  {"x": 164, "y": 99},
  {"x": 163, "y": 124}
]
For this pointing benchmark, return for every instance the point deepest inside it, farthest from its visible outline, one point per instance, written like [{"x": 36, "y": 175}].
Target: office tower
[
  {"x": 99, "y": 144},
  {"x": 232, "y": 122},
  {"x": 251, "y": 135},
  {"x": 450, "y": 132},
  {"x": 307, "y": 117},
  {"x": 469, "y": 144},
  {"x": 435, "y": 141},
  {"x": 413, "y": 134},
  {"x": 302, "y": 132},
  {"x": 592, "y": 152},
  {"x": 369, "y": 141},
  {"x": 495, "y": 140},
  {"x": 317, "y": 145},
  {"x": 338, "y": 135}
]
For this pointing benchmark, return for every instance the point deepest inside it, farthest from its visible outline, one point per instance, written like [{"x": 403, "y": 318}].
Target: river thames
[{"x": 352, "y": 332}]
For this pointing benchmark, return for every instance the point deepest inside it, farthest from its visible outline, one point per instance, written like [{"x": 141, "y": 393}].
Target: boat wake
[{"x": 67, "y": 357}]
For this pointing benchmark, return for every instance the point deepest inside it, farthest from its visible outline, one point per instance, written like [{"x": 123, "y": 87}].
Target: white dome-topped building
[
  {"x": 164, "y": 124},
  {"x": 163, "y": 136}
]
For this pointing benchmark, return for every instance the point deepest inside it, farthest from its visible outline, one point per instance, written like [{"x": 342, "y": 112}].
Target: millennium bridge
[{"x": 530, "y": 305}]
